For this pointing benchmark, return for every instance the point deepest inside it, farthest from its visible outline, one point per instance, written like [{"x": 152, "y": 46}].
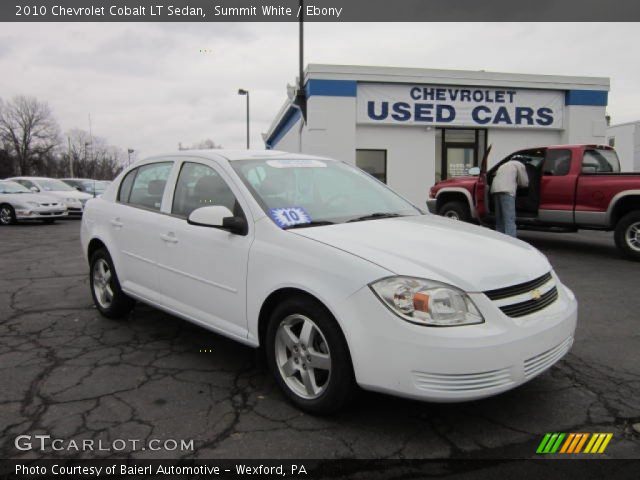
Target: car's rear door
[
  {"x": 135, "y": 226},
  {"x": 557, "y": 187}
]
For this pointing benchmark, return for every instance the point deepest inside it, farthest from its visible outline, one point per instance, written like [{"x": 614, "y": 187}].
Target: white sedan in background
[
  {"x": 18, "y": 203},
  {"x": 341, "y": 280},
  {"x": 70, "y": 197}
]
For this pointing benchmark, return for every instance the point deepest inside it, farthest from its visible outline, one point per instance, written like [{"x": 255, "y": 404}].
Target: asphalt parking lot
[{"x": 68, "y": 372}]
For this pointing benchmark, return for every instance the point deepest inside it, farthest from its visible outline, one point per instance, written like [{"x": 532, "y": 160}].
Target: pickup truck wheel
[
  {"x": 627, "y": 235},
  {"x": 309, "y": 357},
  {"x": 107, "y": 295},
  {"x": 455, "y": 210}
]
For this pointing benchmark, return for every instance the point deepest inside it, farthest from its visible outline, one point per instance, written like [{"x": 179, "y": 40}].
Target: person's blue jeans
[{"x": 505, "y": 206}]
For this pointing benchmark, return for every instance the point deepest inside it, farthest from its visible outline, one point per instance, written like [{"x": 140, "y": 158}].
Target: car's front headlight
[{"x": 426, "y": 302}]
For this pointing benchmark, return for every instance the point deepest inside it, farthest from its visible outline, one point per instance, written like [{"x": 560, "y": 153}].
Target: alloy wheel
[
  {"x": 6, "y": 216},
  {"x": 102, "y": 283},
  {"x": 453, "y": 215},
  {"x": 632, "y": 236},
  {"x": 302, "y": 356}
]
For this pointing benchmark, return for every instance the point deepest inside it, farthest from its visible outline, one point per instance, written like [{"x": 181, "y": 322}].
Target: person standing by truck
[{"x": 508, "y": 178}]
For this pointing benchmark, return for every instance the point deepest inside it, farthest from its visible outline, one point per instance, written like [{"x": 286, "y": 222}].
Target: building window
[{"x": 374, "y": 162}]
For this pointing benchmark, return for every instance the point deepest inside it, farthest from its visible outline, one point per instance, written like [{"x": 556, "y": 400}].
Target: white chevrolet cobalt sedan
[{"x": 341, "y": 280}]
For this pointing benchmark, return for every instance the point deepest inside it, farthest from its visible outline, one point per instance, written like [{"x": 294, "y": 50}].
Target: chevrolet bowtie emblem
[{"x": 535, "y": 294}]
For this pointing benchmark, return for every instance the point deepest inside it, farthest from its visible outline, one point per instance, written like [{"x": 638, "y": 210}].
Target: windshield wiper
[
  {"x": 374, "y": 216},
  {"x": 309, "y": 224}
]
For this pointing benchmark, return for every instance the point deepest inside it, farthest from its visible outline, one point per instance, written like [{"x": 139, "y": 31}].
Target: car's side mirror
[
  {"x": 217, "y": 216},
  {"x": 475, "y": 171},
  {"x": 34, "y": 189},
  {"x": 79, "y": 189}
]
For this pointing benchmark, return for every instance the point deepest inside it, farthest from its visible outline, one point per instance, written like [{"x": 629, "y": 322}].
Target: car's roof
[
  {"x": 33, "y": 178},
  {"x": 234, "y": 155}
]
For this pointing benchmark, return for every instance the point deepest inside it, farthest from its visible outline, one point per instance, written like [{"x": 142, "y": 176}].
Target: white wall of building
[
  {"x": 505, "y": 141},
  {"x": 627, "y": 144},
  {"x": 410, "y": 153},
  {"x": 584, "y": 124}
]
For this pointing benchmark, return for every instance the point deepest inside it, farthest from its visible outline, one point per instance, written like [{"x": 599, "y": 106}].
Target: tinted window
[
  {"x": 557, "y": 163},
  {"x": 26, "y": 183},
  {"x": 600, "y": 161},
  {"x": 201, "y": 186},
  {"x": 125, "y": 186},
  {"x": 148, "y": 185}
]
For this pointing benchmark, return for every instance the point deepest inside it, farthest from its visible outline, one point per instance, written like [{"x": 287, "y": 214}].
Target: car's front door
[{"x": 204, "y": 269}]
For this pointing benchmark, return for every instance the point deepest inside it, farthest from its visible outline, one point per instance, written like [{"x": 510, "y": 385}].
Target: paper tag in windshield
[
  {"x": 289, "y": 216},
  {"x": 302, "y": 163}
]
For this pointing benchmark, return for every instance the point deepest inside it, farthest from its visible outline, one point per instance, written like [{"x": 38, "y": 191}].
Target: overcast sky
[{"x": 149, "y": 86}]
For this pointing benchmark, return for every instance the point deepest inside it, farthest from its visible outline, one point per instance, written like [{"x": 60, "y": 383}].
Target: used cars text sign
[{"x": 460, "y": 106}]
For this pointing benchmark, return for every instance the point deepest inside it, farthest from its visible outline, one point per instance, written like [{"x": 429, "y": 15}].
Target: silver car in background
[{"x": 18, "y": 203}]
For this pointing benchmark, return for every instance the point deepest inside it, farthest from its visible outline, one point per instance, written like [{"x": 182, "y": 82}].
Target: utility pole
[
  {"x": 301, "y": 98},
  {"x": 70, "y": 158}
]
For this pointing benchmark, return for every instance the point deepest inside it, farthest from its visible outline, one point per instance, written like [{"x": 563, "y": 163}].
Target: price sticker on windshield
[{"x": 289, "y": 216}]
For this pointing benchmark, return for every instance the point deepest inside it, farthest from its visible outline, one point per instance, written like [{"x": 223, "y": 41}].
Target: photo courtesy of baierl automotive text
[{"x": 319, "y": 239}]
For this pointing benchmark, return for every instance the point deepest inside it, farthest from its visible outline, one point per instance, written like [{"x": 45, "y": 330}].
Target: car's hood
[
  {"x": 28, "y": 197},
  {"x": 470, "y": 257},
  {"x": 70, "y": 194}
]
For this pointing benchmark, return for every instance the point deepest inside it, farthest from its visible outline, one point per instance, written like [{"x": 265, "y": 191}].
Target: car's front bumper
[
  {"x": 431, "y": 205},
  {"x": 40, "y": 213},
  {"x": 448, "y": 364}
]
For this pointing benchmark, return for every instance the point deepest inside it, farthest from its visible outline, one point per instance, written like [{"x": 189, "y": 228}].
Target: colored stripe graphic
[{"x": 574, "y": 443}]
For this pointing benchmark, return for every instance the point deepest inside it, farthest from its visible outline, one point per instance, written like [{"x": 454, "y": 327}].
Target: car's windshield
[
  {"x": 13, "y": 187},
  {"x": 53, "y": 185},
  {"x": 298, "y": 192}
]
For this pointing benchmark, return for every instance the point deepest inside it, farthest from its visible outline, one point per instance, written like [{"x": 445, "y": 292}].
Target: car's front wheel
[
  {"x": 107, "y": 295},
  {"x": 309, "y": 357},
  {"x": 7, "y": 215}
]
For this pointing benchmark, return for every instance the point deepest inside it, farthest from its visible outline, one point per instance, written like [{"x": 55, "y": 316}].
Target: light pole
[
  {"x": 246, "y": 92},
  {"x": 129, "y": 152}
]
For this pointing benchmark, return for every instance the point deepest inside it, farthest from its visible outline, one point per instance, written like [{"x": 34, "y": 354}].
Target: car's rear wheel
[
  {"x": 309, "y": 357},
  {"x": 627, "y": 235},
  {"x": 107, "y": 295},
  {"x": 7, "y": 215},
  {"x": 455, "y": 210}
]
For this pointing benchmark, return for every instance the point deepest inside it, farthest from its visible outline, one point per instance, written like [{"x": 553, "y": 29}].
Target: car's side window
[
  {"x": 147, "y": 188},
  {"x": 26, "y": 183},
  {"x": 125, "y": 186},
  {"x": 557, "y": 163},
  {"x": 198, "y": 186}
]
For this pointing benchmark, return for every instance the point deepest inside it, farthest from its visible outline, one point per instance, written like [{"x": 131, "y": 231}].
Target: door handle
[
  {"x": 169, "y": 238},
  {"x": 117, "y": 223}
]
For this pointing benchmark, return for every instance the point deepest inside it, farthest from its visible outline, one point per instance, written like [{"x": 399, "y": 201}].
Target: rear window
[{"x": 597, "y": 160}]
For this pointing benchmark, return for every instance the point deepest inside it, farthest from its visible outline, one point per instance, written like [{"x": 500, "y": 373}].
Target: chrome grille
[
  {"x": 465, "y": 382},
  {"x": 538, "y": 363},
  {"x": 530, "y": 306},
  {"x": 525, "y": 298},
  {"x": 507, "y": 292}
]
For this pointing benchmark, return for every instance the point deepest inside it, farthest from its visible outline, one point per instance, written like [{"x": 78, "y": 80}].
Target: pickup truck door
[
  {"x": 558, "y": 186},
  {"x": 481, "y": 194}
]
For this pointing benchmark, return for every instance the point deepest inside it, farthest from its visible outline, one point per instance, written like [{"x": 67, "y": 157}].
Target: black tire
[
  {"x": 340, "y": 387},
  {"x": 624, "y": 236},
  {"x": 120, "y": 304},
  {"x": 455, "y": 210},
  {"x": 7, "y": 214}
]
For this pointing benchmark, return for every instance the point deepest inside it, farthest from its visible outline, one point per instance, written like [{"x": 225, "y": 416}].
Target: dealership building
[{"x": 412, "y": 127}]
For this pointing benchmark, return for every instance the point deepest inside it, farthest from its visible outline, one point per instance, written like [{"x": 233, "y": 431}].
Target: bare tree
[
  {"x": 206, "y": 144},
  {"x": 28, "y": 131},
  {"x": 91, "y": 157}
]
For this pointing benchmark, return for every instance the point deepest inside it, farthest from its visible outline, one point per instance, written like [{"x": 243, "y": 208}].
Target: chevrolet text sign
[{"x": 456, "y": 106}]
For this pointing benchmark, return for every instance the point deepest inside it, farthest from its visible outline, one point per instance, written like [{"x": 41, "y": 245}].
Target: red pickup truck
[{"x": 571, "y": 187}]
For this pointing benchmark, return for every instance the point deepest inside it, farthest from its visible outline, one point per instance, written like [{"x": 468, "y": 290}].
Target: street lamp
[
  {"x": 129, "y": 152},
  {"x": 246, "y": 92}
]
